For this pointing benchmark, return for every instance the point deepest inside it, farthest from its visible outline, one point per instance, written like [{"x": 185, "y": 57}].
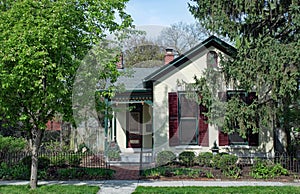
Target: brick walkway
[{"x": 126, "y": 172}]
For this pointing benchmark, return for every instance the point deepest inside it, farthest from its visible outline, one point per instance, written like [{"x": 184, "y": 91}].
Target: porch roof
[{"x": 133, "y": 96}]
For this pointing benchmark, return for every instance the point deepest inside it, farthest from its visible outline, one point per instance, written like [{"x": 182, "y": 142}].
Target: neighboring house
[
  {"x": 154, "y": 113},
  {"x": 53, "y": 125}
]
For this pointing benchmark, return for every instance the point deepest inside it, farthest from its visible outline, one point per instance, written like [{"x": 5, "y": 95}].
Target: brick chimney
[
  {"x": 120, "y": 63},
  {"x": 169, "y": 56}
]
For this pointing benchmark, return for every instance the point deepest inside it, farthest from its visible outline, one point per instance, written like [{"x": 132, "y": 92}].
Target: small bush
[
  {"x": 169, "y": 172},
  {"x": 165, "y": 157},
  {"x": 16, "y": 172},
  {"x": 83, "y": 173},
  {"x": 232, "y": 171},
  {"x": 205, "y": 159},
  {"x": 223, "y": 161},
  {"x": 74, "y": 160},
  {"x": 43, "y": 162},
  {"x": 58, "y": 160},
  {"x": 187, "y": 158},
  {"x": 12, "y": 144},
  {"x": 227, "y": 160},
  {"x": 267, "y": 169},
  {"x": 64, "y": 160},
  {"x": 216, "y": 161}
]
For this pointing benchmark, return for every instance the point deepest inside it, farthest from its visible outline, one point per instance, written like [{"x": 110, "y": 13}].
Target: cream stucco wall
[
  {"x": 121, "y": 124},
  {"x": 168, "y": 83}
]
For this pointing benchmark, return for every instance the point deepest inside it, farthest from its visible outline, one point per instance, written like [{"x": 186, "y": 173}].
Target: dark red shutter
[
  {"x": 203, "y": 138},
  {"x": 223, "y": 138},
  {"x": 173, "y": 119},
  {"x": 251, "y": 97},
  {"x": 253, "y": 139}
]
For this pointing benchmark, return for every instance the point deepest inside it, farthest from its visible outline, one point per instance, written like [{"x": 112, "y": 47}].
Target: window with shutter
[
  {"x": 203, "y": 127},
  {"x": 173, "y": 119},
  {"x": 234, "y": 138},
  {"x": 187, "y": 123}
]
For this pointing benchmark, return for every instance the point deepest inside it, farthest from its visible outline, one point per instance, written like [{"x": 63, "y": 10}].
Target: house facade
[{"x": 155, "y": 113}]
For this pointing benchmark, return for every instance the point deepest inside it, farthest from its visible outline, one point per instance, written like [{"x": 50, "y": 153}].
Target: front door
[{"x": 134, "y": 127}]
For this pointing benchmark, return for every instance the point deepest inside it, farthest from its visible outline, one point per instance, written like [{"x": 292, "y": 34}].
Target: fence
[
  {"x": 289, "y": 161},
  {"x": 61, "y": 159}
]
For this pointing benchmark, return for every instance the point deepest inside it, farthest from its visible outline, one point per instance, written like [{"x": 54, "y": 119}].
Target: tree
[
  {"x": 266, "y": 36},
  {"x": 182, "y": 36},
  {"x": 140, "y": 51},
  {"x": 42, "y": 43}
]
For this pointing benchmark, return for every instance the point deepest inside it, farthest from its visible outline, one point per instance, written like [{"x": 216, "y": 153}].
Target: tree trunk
[{"x": 35, "y": 146}]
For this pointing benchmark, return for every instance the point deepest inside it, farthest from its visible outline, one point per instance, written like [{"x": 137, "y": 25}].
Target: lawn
[
  {"x": 218, "y": 190},
  {"x": 49, "y": 189}
]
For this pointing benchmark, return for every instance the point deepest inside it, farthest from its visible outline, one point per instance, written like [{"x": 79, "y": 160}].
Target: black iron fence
[
  {"x": 290, "y": 162},
  {"x": 59, "y": 159}
]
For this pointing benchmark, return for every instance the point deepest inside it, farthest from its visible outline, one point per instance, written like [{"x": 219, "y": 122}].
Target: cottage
[{"x": 154, "y": 113}]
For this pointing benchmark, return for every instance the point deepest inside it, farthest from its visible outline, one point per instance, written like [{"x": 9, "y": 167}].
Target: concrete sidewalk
[{"x": 128, "y": 186}]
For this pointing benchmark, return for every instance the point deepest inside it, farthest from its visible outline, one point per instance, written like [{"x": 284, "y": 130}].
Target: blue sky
[{"x": 159, "y": 12}]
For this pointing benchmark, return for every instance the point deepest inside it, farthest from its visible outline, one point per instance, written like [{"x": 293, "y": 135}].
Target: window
[
  {"x": 187, "y": 123},
  {"x": 234, "y": 138},
  {"x": 212, "y": 59}
]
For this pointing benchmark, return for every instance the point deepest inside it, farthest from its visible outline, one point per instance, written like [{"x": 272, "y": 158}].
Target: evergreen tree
[{"x": 266, "y": 36}]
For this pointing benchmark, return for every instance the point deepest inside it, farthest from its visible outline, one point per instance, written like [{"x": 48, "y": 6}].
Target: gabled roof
[
  {"x": 135, "y": 79},
  {"x": 184, "y": 59}
]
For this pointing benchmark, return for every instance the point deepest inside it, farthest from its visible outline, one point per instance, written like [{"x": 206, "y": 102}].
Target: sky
[{"x": 159, "y": 12}]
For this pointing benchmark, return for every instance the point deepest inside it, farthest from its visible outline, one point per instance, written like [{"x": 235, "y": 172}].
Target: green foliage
[
  {"x": 187, "y": 158},
  {"x": 55, "y": 146},
  {"x": 265, "y": 169},
  {"x": 21, "y": 171},
  {"x": 232, "y": 171},
  {"x": 170, "y": 172},
  {"x": 205, "y": 159},
  {"x": 44, "y": 162},
  {"x": 227, "y": 163},
  {"x": 113, "y": 152},
  {"x": 226, "y": 160},
  {"x": 16, "y": 172},
  {"x": 81, "y": 173},
  {"x": 63, "y": 160},
  {"x": 12, "y": 144},
  {"x": 42, "y": 44},
  {"x": 265, "y": 34},
  {"x": 165, "y": 157}
]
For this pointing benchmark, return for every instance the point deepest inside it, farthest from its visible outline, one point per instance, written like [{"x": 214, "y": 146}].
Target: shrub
[
  {"x": 12, "y": 144},
  {"x": 205, "y": 159},
  {"x": 223, "y": 161},
  {"x": 83, "y": 173},
  {"x": 16, "y": 172},
  {"x": 227, "y": 160},
  {"x": 169, "y": 172},
  {"x": 187, "y": 158},
  {"x": 165, "y": 157},
  {"x": 63, "y": 160},
  {"x": 232, "y": 171},
  {"x": 58, "y": 161},
  {"x": 263, "y": 169},
  {"x": 74, "y": 160},
  {"x": 43, "y": 162},
  {"x": 216, "y": 161}
]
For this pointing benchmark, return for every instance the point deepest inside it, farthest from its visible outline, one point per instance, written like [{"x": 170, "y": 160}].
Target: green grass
[
  {"x": 49, "y": 189},
  {"x": 218, "y": 190}
]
